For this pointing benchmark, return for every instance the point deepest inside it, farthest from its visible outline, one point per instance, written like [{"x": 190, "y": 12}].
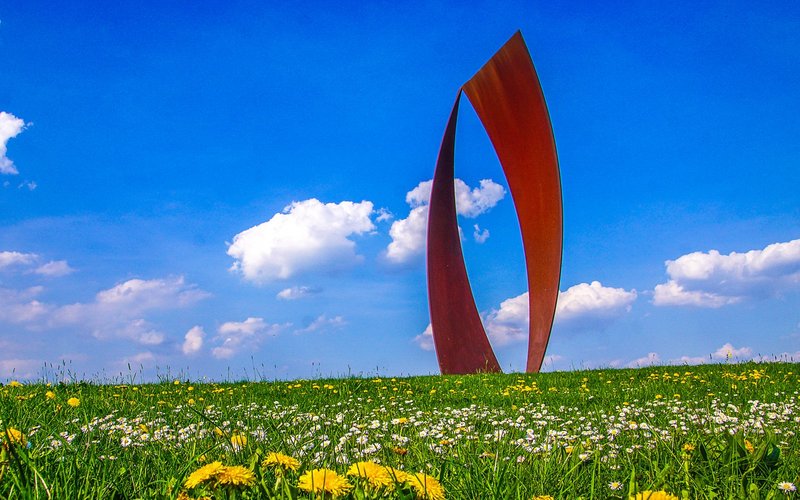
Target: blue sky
[{"x": 238, "y": 189}]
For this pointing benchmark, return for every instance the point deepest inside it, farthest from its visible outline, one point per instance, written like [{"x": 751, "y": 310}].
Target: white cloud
[
  {"x": 651, "y": 359},
  {"x": 550, "y": 360},
  {"x": 118, "y": 311},
  {"x": 8, "y": 259},
  {"x": 473, "y": 202},
  {"x": 592, "y": 306},
  {"x": 480, "y": 235},
  {"x": 307, "y": 235},
  {"x": 409, "y": 235},
  {"x": 141, "y": 358},
  {"x": 673, "y": 294},
  {"x": 55, "y": 268},
  {"x": 138, "y": 330},
  {"x": 384, "y": 215},
  {"x": 582, "y": 307},
  {"x": 725, "y": 353},
  {"x": 297, "y": 292},
  {"x": 193, "y": 340},
  {"x": 10, "y": 127},
  {"x": 323, "y": 322},
  {"x": 509, "y": 324},
  {"x": 425, "y": 339},
  {"x": 248, "y": 334},
  {"x": 20, "y": 368},
  {"x": 21, "y": 307},
  {"x": 713, "y": 280}
]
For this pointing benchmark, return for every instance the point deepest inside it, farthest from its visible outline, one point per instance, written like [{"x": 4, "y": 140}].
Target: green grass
[{"x": 714, "y": 431}]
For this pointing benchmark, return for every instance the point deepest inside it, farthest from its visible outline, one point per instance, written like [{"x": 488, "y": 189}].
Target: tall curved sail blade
[
  {"x": 508, "y": 99},
  {"x": 460, "y": 341}
]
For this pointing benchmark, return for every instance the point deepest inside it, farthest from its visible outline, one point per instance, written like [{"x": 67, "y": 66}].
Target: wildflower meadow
[{"x": 698, "y": 432}]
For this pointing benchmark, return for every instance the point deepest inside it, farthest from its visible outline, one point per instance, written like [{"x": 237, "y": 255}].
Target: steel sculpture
[{"x": 509, "y": 102}]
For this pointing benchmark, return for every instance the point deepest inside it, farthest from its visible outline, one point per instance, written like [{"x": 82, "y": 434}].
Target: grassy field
[{"x": 715, "y": 431}]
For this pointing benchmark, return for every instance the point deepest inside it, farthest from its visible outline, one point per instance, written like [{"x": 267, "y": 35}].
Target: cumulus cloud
[
  {"x": 118, "y": 312},
  {"x": 711, "y": 279},
  {"x": 138, "y": 330},
  {"x": 724, "y": 353},
  {"x": 651, "y": 359},
  {"x": 509, "y": 323},
  {"x": 425, "y": 339},
  {"x": 586, "y": 306},
  {"x": 234, "y": 336},
  {"x": 193, "y": 340},
  {"x": 9, "y": 259},
  {"x": 323, "y": 322},
  {"x": 21, "y": 306},
  {"x": 480, "y": 235},
  {"x": 409, "y": 234},
  {"x": 55, "y": 268},
  {"x": 297, "y": 292},
  {"x": 592, "y": 305},
  {"x": 10, "y": 127},
  {"x": 306, "y": 235}
]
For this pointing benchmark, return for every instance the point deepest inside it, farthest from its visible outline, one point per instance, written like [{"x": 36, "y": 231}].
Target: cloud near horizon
[
  {"x": 710, "y": 279},
  {"x": 118, "y": 312},
  {"x": 236, "y": 336},
  {"x": 307, "y": 235},
  {"x": 726, "y": 352},
  {"x": 585, "y": 306},
  {"x": 409, "y": 235},
  {"x": 323, "y": 323},
  {"x": 582, "y": 307}
]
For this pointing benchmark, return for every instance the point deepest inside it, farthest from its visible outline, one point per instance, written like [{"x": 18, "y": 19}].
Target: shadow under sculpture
[{"x": 508, "y": 100}]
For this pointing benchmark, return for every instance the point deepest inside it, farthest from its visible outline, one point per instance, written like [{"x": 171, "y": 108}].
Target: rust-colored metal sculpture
[{"x": 509, "y": 102}]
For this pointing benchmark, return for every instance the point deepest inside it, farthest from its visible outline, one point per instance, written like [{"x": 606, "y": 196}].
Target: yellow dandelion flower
[
  {"x": 74, "y": 402},
  {"x": 238, "y": 441},
  {"x": 203, "y": 474},
  {"x": 14, "y": 383},
  {"x": 376, "y": 475},
  {"x": 398, "y": 475},
  {"x": 50, "y": 395},
  {"x": 15, "y": 437},
  {"x": 425, "y": 487},
  {"x": 653, "y": 495},
  {"x": 688, "y": 447},
  {"x": 236, "y": 475},
  {"x": 542, "y": 497},
  {"x": 281, "y": 461},
  {"x": 749, "y": 446},
  {"x": 324, "y": 481},
  {"x": 183, "y": 495}
]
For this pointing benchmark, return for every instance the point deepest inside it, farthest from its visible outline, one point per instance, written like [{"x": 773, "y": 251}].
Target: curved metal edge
[
  {"x": 509, "y": 101},
  {"x": 458, "y": 334}
]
